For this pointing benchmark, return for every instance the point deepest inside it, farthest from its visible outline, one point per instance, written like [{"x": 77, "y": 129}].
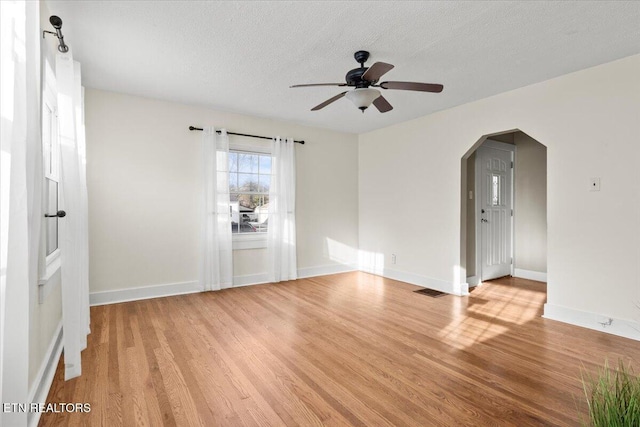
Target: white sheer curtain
[
  {"x": 281, "y": 233},
  {"x": 20, "y": 194},
  {"x": 73, "y": 241},
  {"x": 216, "y": 250}
]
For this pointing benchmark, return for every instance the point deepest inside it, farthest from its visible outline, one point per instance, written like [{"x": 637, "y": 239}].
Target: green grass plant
[{"x": 613, "y": 396}]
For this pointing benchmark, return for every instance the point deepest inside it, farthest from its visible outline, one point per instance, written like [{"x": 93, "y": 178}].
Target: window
[
  {"x": 495, "y": 190},
  {"x": 249, "y": 182},
  {"x": 51, "y": 185},
  {"x": 51, "y": 162}
]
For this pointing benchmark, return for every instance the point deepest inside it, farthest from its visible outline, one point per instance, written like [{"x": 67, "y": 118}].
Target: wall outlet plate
[{"x": 594, "y": 184}]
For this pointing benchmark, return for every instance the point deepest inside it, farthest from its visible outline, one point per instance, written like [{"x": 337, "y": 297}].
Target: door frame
[{"x": 477, "y": 190}]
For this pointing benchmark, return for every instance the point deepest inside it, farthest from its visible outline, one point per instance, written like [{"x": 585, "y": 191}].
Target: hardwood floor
[{"x": 346, "y": 349}]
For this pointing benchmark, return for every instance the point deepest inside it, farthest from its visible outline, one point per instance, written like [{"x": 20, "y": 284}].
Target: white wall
[
  {"x": 589, "y": 121},
  {"x": 46, "y": 316},
  {"x": 471, "y": 216},
  {"x": 143, "y": 175},
  {"x": 530, "y": 221}
]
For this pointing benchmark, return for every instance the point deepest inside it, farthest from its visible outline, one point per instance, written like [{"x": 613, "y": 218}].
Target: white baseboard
[
  {"x": 251, "y": 279},
  {"x": 620, "y": 327},
  {"x": 324, "y": 270},
  {"x": 145, "y": 292},
  {"x": 459, "y": 289},
  {"x": 44, "y": 377},
  {"x": 157, "y": 291},
  {"x": 303, "y": 273},
  {"x": 531, "y": 275},
  {"x": 473, "y": 281}
]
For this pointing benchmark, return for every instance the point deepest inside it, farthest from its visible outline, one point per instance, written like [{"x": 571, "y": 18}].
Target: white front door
[{"x": 495, "y": 216}]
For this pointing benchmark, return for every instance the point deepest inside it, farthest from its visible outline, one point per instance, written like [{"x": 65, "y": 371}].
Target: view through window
[
  {"x": 249, "y": 182},
  {"x": 50, "y": 148}
]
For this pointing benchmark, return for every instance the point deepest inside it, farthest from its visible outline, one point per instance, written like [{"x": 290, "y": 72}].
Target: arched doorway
[{"x": 504, "y": 208}]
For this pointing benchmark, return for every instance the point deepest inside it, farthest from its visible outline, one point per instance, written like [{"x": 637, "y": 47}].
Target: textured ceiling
[{"x": 243, "y": 56}]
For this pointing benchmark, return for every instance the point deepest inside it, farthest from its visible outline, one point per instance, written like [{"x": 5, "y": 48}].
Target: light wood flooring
[{"x": 346, "y": 349}]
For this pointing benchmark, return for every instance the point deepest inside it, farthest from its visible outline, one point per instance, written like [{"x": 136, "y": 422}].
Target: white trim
[
  {"x": 45, "y": 287},
  {"x": 529, "y": 274},
  {"x": 44, "y": 378},
  {"x": 324, "y": 270},
  {"x": 498, "y": 145},
  {"x": 459, "y": 289},
  {"x": 303, "y": 273},
  {"x": 621, "y": 327},
  {"x": 473, "y": 281},
  {"x": 476, "y": 215},
  {"x": 249, "y": 241},
  {"x": 249, "y": 145},
  {"x": 145, "y": 292},
  {"x": 513, "y": 209},
  {"x": 250, "y": 279},
  {"x": 157, "y": 291},
  {"x": 51, "y": 259},
  {"x": 171, "y": 289},
  {"x": 54, "y": 262},
  {"x": 52, "y": 276}
]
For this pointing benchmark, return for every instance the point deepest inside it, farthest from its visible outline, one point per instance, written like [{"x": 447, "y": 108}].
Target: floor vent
[{"x": 430, "y": 292}]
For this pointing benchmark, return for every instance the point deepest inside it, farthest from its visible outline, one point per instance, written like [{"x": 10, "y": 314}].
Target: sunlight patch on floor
[
  {"x": 490, "y": 314},
  {"x": 468, "y": 331}
]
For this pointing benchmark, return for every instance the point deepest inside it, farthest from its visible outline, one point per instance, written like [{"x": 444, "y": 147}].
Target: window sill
[
  {"x": 51, "y": 277},
  {"x": 249, "y": 241}
]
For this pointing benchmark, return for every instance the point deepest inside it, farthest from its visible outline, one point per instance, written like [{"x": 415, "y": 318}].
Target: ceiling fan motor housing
[{"x": 354, "y": 77}]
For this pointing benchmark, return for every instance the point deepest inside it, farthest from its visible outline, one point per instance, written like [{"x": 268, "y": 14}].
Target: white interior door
[{"x": 496, "y": 210}]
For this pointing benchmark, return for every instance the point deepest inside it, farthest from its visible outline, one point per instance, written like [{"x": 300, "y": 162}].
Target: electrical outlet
[
  {"x": 393, "y": 258},
  {"x": 470, "y": 194},
  {"x": 594, "y": 184},
  {"x": 605, "y": 321}
]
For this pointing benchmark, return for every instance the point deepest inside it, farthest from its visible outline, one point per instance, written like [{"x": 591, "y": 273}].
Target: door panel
[{"x": 495, "y": 212}]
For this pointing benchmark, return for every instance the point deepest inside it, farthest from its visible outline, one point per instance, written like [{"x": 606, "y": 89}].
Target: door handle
[
  {"x": 59, "y": 214},
  {"x": 483, "y": 220}
]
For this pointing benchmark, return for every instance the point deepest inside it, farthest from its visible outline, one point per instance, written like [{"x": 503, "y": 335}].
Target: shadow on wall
[{"x": 341, "y": 253}]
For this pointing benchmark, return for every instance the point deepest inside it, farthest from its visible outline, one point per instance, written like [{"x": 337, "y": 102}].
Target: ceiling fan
[{"x": 364, "y": 79}]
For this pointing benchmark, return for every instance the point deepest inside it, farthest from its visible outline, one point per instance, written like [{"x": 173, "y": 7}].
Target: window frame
[
  {"x": 258, "y": 240},
  {"x": 50, "y": 162}
]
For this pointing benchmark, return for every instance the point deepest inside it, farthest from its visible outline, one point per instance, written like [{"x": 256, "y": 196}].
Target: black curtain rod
[
  {"x": 243, "y": 134},
  {"x": 56, "y": 22}
]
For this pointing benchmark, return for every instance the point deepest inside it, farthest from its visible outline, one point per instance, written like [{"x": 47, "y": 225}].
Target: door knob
[
  {"x": 483, "y": 220},
  {"x": 59, "y": 214}
]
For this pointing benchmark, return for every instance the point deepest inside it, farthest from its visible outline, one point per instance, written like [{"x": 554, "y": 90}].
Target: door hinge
[
  {"x": 511, "y": 261},
  {"x": 511, "y": 212},
  {"x": 511, "y": 165}
]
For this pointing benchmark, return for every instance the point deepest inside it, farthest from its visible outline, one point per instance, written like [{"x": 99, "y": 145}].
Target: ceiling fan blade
[
  {"x": 320, "y": 84},
  {"x": 328, "y": 101},
  {"x": 421, "y": 87},
  {"x": 382, "y": 104},
  {"x": 376, "y": 71}
]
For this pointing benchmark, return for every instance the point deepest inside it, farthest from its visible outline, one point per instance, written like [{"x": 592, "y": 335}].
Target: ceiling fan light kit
[
  {"x": 362, "y": 79},
  {"x": 363, "y": 97}
]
